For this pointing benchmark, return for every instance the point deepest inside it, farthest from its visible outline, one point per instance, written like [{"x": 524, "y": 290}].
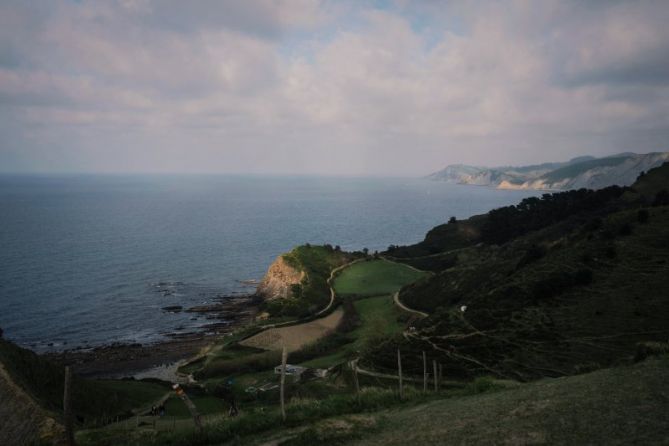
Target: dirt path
[{"x": 396, "y": 299}]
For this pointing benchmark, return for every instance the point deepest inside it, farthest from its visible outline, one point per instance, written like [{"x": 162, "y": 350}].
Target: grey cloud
[{"x": 209, "y": 86}]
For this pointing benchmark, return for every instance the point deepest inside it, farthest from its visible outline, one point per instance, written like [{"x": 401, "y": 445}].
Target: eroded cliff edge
[{"x": 279, "y": 280}]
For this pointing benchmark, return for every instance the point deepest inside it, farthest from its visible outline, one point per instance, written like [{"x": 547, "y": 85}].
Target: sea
[{"x": 88, "y": 260}]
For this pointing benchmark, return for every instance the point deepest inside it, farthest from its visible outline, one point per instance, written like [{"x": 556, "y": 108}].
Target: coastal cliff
[
  {"x": 582, "y": 172},
  {"x": 277, "y": 282}
]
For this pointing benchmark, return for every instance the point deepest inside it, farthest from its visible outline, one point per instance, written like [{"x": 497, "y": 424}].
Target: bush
[
  {"x": 662, "y": 198},
  {"x": 611, "y": 252},
  {"x": 298, "y": 412},
  {"x": 646, "y": 349},
  {"x": 246, "y": 364},
  {"x": 324, "y": 346},
  {"x": 534, "y": 253},
  {"x": 625, "y": 229},
  {"x": 560, "y": 282},
  {"x": 642, "y": 216},
  {"x": 481, "y": 384},
  {"x": 593, "y": 225}
]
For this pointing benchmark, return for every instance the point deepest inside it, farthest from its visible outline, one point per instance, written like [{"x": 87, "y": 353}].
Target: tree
[
  {"x": 662, "y": 198},
  {"x": 452, "y": 221}
]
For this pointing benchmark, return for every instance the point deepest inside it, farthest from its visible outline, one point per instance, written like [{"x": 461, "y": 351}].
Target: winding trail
[{"x": 396, "y": 299}]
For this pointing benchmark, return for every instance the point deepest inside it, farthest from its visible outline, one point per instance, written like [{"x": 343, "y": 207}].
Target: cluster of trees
[{"x": 534, "y": 213}]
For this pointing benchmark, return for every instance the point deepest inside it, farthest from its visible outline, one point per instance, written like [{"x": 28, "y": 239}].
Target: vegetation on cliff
[
  {"x": 313, "y": 293},
  {"x": 43, "y": 380},
  {"x": 564, "y": 284}
]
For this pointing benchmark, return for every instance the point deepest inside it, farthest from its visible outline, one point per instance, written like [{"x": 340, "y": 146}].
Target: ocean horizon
[{"x": 88, "y": 260}]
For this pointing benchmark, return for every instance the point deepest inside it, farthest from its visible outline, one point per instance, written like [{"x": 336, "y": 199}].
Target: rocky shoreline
[{"x": 118, "y": 360}]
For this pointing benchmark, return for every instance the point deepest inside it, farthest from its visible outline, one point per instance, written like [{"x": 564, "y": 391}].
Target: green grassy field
[
  {"x": 378, "y": 319},
  {"x": 375, "y": 277}
]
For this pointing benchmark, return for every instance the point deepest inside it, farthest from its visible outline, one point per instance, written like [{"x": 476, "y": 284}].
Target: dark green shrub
[
  {"x": 560, "y": 282},
  {"x": 481, "y": 384},
  {"x": 642, "y": 216},
  {"x": 611, "y": 252},
  {"x": 593, "y": 225},
  {"x": 583, "y": 277},
  {"x": 533, "y": 253},
  {"x": 661, "y": 198},
  {"x": 246, "y": 364},
  {"x": 646, "y": 349}
]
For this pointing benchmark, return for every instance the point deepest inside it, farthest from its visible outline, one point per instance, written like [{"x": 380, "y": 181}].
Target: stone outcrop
[{"x": 280, "y": 277}]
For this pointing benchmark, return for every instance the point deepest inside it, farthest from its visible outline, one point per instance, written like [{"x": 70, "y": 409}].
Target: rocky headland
[{"x": 280, "y": 277}]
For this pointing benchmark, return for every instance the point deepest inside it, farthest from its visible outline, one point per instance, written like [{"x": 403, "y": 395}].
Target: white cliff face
[
  {"x": 277, "y": 282},
  {"x": 621, "y": 170}
]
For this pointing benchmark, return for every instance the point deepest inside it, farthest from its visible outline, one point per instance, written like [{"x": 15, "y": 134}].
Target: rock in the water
[{"x": 173, "y": 308}]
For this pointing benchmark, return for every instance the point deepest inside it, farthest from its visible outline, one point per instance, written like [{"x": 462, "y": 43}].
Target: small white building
[{"x": 291, "y": 370}]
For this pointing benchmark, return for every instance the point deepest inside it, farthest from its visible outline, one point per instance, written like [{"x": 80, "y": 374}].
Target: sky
[{"x": 319, "y": 87}]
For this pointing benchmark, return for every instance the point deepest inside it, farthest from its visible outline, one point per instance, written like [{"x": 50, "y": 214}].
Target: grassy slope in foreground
[
  {"x": 624, "y": 405},
  {"x": 374, "y": 278}
]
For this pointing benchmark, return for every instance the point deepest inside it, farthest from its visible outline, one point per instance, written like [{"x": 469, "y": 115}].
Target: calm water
[{"x": 82, "y": 258}]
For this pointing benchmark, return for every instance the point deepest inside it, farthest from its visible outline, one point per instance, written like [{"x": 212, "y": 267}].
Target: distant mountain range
[{"x": 582, "y": 172}]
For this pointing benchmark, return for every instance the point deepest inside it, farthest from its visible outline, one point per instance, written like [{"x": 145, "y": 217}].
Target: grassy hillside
[
  {"x": 566, "y": 297},
  {"x": 617, "y": 406},
  {"x": 43, "y": 381},
  {"x": 622, "y": 405},
  {"x": 378, "y": 319},
  {"x": 573, "y": 170},
  {"x": 374, "y": 278},
  {"x": 653, "y": 182}
]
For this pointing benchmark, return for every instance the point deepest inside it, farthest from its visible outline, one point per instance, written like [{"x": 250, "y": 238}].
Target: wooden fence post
[
  {"x": 189, "y": 404},
  {"x": 284, "y": 357},
  {"x": 424, "y": 372},
  {"x": 354, "y": 366},
  {"x": 399, "y": 371},
  {"x": 434, "y": 371},
  {"x": 67, "y": 407}
]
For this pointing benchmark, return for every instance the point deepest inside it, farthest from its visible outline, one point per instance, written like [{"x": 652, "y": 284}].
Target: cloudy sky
[{"x": 327, "y": 87}]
